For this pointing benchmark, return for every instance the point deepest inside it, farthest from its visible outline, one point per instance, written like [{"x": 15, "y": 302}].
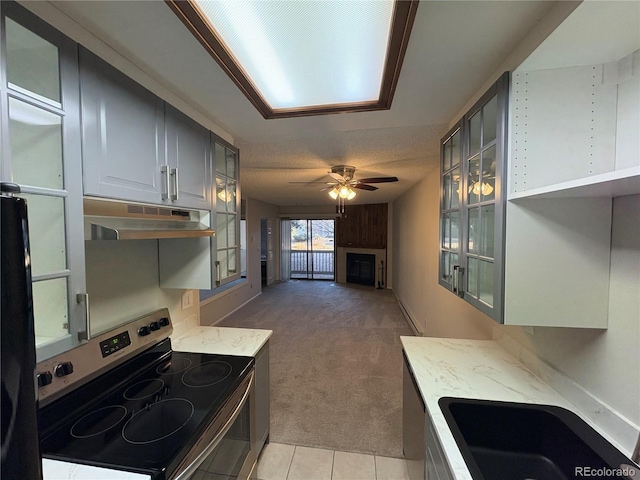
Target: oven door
[{"x": 226, "y": 450}]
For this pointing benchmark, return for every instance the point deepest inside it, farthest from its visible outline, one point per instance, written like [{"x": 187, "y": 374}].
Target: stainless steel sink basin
[{"x": 518, "y": 441}]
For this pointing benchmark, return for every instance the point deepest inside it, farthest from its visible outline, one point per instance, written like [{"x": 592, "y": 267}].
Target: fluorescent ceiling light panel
[
  {"x": 303, "y": 57},
  {"x": 306, "y": 53}
]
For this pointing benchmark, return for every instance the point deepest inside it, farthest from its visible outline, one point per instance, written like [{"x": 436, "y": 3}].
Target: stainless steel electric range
[{"x": 125, "y": 400}]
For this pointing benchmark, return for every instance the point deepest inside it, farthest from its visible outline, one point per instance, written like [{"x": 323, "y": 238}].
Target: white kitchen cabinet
[
  {"x": 473, "y": 160},
  {"x": 188, "y": 160},
  {"x": 135, "y": 146},
  {"x": 40, "y": 126},
  {"x": 575, "y": 145},
  {"x": 122, "y": 135}
]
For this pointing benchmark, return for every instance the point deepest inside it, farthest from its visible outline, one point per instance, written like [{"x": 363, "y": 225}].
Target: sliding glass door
[{"x": 312, "y": 249}]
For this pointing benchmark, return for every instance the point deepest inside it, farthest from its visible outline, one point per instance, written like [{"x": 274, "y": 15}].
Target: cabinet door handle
[
  {"x": 164, "y": 171},
  {"x": 218, "y": 272},
  {"x": 458, "y": 279},
  {"x": 86, "y": 333},
  {"x": 174, "y": 174}
]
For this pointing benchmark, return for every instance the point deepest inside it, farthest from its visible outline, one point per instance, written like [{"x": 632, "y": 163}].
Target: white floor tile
[
  {"x": 311, "y": 464},
  {"x": 274, "y": 461},
  {"x": 391, "y": 469},
  {"x": 353, "y": 466}
]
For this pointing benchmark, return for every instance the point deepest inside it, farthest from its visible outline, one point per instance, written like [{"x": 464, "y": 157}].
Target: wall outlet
[{"x": 187, "y": 299}]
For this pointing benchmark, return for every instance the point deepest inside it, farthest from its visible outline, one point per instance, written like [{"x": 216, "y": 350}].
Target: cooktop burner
[
  {"x": 145, "y": 414},
  {"x": 158, "y": 421},
  {"x": 206, "y": 374},
  {"x": 98, "y": 421}
]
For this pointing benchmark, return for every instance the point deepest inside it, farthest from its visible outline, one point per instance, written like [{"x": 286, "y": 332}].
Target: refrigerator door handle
[{"x": 84, "y": 335}]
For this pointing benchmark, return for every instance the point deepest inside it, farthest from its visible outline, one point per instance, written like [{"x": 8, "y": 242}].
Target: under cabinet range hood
[{"x": 117, "y": 220}]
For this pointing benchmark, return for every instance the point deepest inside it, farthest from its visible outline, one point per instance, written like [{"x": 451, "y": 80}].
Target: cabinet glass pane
[
  {"x": 233, "y": 267},
  {"x": 473, "y": 230},
  {"x": 488, "y": 218},
  {"x": 454, "y": 231},
  {"x": 50, "y": 309},
  {"x": 455, "y": 149},
  {"x": 231, "y": 195},
  {"x": 231, "y": 231},
  {"x": 474, "y": 134},
  {"x": 32, "y": 62},
  {"x": 455, "y": 188},
  {"x": 454, "y": 261},
  {"x": 222, "y": 196},
  {"x": 486, "y": 282},
  {"x": 221, "y": 231},
  {"x": 36, "y": 145},
  {"x": 474, "y": 188},
  {"x": 446, "y": 231},
  {"x": 46, "y": 234},
  {"x": 445, "y": 259},
  {"x": 446, "y": 191},
  {"x": 446, "y": 160},
  {"x": 489, "y": 116},
  {"x": 472, "y": 277},
  {"x": 221, "y": 159},
  {"x": 487, "y": 188},
  {"x": 231, "y": 164},
  {"x": 224, "y": 264}
]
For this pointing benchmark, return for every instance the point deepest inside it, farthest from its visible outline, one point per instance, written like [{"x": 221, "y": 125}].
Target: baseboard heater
[{"x": 407, "y": 316}]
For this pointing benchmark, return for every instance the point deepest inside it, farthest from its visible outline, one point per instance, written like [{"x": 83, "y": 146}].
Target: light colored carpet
[{"x": 336, "y": 364}]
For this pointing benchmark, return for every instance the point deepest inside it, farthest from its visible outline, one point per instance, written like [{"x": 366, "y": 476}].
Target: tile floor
[{"x": 289, "y": 462}]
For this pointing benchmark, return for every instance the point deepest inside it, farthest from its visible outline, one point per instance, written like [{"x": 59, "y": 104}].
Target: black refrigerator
[{"x": 20, "y": 453}]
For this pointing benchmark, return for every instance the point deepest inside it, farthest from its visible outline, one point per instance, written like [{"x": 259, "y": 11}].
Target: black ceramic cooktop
[{"x": 145, "y": 415}]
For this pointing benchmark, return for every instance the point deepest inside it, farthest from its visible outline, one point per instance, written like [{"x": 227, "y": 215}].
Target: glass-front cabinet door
[
  {"x": 473, "y": 203},
  {"x": 227, "y": 212},
  {"x": 41, "y": 153}
]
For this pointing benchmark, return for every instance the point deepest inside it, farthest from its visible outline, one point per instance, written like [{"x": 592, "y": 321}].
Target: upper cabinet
[
  {"x": 188, "y": 160},
  {"x": 473, "y": 160},
  {"x": 135, "y": 147},
  {"x": 575, "y": 145},
  {"x": 40, "y": 126}
]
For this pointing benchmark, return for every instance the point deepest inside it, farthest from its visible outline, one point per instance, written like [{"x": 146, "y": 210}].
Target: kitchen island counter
[
  {"x": 55, "y": 470},
  {"x": 479, "y": 369}
]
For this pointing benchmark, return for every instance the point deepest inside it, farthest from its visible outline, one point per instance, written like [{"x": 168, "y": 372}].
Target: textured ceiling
[{"x": 454, "y": 47}]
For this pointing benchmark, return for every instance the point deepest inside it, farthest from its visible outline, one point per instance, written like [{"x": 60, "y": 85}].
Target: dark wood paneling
[{"x": 363, "y": 226}]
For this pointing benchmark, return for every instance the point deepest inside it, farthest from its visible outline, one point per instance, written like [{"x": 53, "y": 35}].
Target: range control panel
[{"x": 62, "y": 373}]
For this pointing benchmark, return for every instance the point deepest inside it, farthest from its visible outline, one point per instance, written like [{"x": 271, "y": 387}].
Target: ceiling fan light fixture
[
  {"x": 352, "y": 194},
  {"x": 333, "y": 193},
  {"x": 344, "y": 191}
]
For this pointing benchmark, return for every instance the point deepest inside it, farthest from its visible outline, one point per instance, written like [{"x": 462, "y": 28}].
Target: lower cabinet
[
  {"x": 422, "y": 450},
  {"x": 262, "y": 397}
]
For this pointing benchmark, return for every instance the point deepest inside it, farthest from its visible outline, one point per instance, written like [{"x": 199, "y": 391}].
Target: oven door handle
[{"x": 189, "y": 470}]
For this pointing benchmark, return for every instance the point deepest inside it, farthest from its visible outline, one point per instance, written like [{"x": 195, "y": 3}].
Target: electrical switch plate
[{"x": 187, "y": 299}]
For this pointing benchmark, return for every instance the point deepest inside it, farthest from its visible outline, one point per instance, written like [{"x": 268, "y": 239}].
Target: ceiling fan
[{"x": 344, "y": 182}]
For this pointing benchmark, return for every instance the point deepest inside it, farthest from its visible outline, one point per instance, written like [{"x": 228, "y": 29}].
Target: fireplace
[{"x": 361, "y": 269}]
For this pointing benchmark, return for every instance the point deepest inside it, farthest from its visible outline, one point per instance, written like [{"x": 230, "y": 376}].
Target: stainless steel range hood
[{"x": 116, "y": 220}]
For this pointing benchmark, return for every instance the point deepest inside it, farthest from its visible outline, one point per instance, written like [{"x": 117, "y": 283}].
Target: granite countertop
[
  {"x": 472, "y": 369},
  {"x": 222, "y": 341},
  {"x": 55, "y": 470}
]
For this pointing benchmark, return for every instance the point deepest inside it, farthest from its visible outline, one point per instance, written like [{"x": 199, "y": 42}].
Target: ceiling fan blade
[
  {"x": 312, "y": 183},
  {"x": 378, "y": 180},
  {"x": 337, "y": 177},
  {"x": 363, "y": 186}
]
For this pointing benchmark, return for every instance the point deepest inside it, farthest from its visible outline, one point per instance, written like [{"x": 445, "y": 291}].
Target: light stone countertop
[
  {"x": 222, "y": 341},
  {"x": 55, "y": 470},
  {"x": 472, "y": 369}
]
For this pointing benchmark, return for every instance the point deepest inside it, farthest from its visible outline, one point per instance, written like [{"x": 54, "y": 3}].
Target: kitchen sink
[{"x": 520, "y": 441}]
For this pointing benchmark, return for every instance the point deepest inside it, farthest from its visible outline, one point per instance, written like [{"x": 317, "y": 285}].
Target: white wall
[
  {"x": 123, "y": 283},
  {"x": 217, "y": 307}
]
